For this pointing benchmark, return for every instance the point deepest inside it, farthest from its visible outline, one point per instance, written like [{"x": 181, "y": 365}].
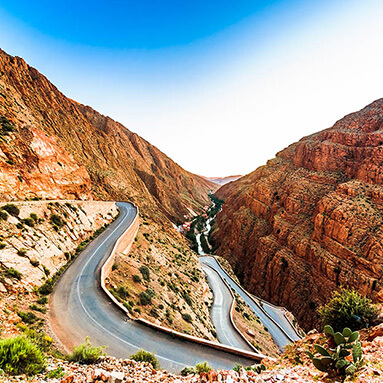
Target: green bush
[
  {"x": 187, "y": 317},
  {"x": 34, "y": 262},
  {"x": 145, "y": 298},
  {"x": 347, "y": 308},
  {"x": 56, "y": 373},
  {"x": 3, "y": 215},
  {"x": 202, "y": 367},
  {"x": 20, "y": 356},
  {"x": 27, "y": 317},
  {"x": 2, "y": 245},
  {"x": 86, "y": 353},
  {"x": 136, "y": 278},
  {"x": 34, "y": 217},
  {"x": 22, "y": 252},
  {"x": 29, "y": 221},
  {"x": 145, "y": 356},
  {"x": 42, "y": 300},
  {"x": 145, "y": 273},
  {"x": 11, "y": 209},
  {"x": 187, "y": 371},
  {"x": 13, "y": 273},
  {"x": 56, "y": 220}
]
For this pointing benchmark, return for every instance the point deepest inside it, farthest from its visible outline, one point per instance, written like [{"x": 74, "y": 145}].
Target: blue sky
[{"x": 219, "y": 86}]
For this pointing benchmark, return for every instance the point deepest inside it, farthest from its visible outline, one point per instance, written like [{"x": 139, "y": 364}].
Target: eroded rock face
[
  {"x": 62, "y": 149},
  {"x": 311, "y": 219}
]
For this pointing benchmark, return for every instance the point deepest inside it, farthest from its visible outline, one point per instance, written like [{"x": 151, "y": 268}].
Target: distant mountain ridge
[
  {"x": 59, "y": 148},
  {"x": 223, "y": 180}
]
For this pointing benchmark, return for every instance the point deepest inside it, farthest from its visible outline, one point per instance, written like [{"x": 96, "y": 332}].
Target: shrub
[
  {"x": 22, "y": 252},
  {"x": 145, "y": 356},
  {"x": 34, "y": 262},
  {"x": 56, "y": 220},
  {"x": 145, "y": 273},
  {"x": 27, "y": 317},
  {"x": 13, "y": 273},
  {"x": 47, "y": 287},
  {"x": 3, "y": 215},
  {"x": 42, "y": 301},
  {"x": 187, "y": 371},
  {"x": 34, "y": 217},
  {"x": 145, "y": 298},
  {"x": 56, "y": 373},
  {"x": 20, "y": 356},
  {"x": 334, "y": 360},
  {"x": 11, "y": 209},
  {"x": 2, "y": 245},
  {"x": 347, "y": 308},
  {"x": 187, "y": 317},
  {"x": 29, "y": 221},
  {"x": 38, "y": 308},
  {"x": 114, "y": 266},
  {"x": 86, "y": 353},
  {"x": 136, "y": 278},
  {"x": 202, "y": 367}
]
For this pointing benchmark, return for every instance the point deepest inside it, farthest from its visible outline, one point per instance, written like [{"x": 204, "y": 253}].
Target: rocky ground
[
  {"x": 293, "y": 366},
  {"x": 34, "y": 249}
]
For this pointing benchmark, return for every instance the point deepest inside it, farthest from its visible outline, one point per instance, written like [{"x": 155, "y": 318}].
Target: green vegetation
[
  {"x": 20, "y": 356},
  {"x": 86, "y": 353},
  {"x": 56, "y": 221},
  {"x": 146, "y": 356},
  {"x": 136, "y": 278},
  {"x": 3, "y": 215},
  {"x": 187, "y": 371},
  {"x": 11, "y": 209},
  {"x": 202, "y": 367},
  {"x": 347, "y": 308},
  {"x": 27, "y": 317},
  {"x": 146, "y": 297},
  {"x": 334, "y": 360},
  {"x": 145, "y": 272},
  {"x": 22, "y": 252},
  {"x": 38, "y": 308},
  {"x": 204, "y": 245},
  {"x": 34, "y": 262},
  {"x": 57, "y": 373},
  {"x": 29, "y": 221},
  {"x": 258, "y": 368},
  {"x": 13, "y": 273},
  {"x": 2, "y": 245},
  {"x": 187, "y": 317}
]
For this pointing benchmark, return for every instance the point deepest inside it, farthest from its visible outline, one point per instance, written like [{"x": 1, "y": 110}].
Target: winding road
[
  {"x": 281, "y": 330},
  {"x": 78, "y": 307}
]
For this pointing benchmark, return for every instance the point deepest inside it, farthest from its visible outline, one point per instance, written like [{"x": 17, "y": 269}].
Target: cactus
[{"x": 333, "y": 360}]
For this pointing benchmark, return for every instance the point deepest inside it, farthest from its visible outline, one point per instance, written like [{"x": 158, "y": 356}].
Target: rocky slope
[
  {"x": 311, "y": 219},
  {"x": 223, "y": 180},
  {"x": 54, "y": 147},
  {"x": 36, "y": 243}
]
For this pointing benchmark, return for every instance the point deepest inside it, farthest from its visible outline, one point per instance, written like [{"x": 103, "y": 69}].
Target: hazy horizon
[{"x": 220, "y": 87}]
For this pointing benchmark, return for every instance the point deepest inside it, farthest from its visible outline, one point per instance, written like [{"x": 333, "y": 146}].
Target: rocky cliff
[
  {"x": 54, "y": 147},
  {"x": 311, "y": 219}
]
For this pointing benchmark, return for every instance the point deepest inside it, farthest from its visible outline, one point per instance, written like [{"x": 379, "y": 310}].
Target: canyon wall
[
  {"x": 54, "y": 147},
  {"x": 310, "y": 220}
]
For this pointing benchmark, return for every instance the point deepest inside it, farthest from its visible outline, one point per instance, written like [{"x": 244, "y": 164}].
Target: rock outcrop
[
  {"x": 311, "y": 219},
  {"x": 54, "y": 147}
]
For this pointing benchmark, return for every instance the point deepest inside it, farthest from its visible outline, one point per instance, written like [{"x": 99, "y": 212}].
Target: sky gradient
[{"x": 219, "y": 86}]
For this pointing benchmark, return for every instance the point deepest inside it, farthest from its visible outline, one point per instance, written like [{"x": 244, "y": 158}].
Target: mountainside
[
  {"x": 311, "y": 219},
  {"x": 54, "y": 147},
  {"x": 223, "y": 180}
]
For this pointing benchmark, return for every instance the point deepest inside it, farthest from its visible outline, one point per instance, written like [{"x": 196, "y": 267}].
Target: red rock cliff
[
  {"x": 311, "y": 219},
  {"x": 61, "y": 149}
]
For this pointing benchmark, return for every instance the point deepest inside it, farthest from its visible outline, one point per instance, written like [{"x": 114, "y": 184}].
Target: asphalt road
[
  {"x": 272, "y": 317},
  {"x": 78, "y": 307},
  {"x": 220, "y": 311}
]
